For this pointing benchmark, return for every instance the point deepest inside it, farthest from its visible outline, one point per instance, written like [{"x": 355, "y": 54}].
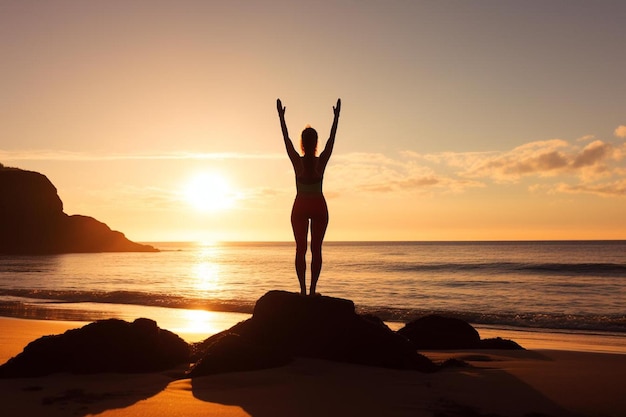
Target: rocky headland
[{"x": 32, "y": 221}]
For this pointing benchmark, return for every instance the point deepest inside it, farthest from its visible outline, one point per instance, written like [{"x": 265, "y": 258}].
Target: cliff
[{"x": 32, "y": 220}]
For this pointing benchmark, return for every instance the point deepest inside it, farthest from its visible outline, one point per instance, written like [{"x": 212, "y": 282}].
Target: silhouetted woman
[{"x": 310, "y": 204}]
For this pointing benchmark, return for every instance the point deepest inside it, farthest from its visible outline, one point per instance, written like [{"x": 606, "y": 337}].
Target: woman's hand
[
  {"x": 336, "y": 109},
  {"x": 280, "y": 108}
]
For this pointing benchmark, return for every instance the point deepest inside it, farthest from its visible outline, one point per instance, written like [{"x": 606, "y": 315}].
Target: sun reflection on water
[
  {"x": 206, "y": 276},
  {"x": 206, "y": 271}
]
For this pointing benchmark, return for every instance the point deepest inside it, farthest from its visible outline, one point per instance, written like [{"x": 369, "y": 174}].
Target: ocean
[{"x": 567, "y": 287}]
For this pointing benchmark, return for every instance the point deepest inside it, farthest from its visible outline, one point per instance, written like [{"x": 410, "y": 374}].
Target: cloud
[
  {"x": 620, "y": 131},
  {"x": 595, "y": 168},
  {"x": 594, "y": 153},
  {"x": 592, "y": 165},
  {"x": 607, "y": 189},
  {"x": 536, "y": 158},
  {"x": 542, "y": 159},
  {"x": 378, "y": 173},
  {"x": 52, "y": 155}
]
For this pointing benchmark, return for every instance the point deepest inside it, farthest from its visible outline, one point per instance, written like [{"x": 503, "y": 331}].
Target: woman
[{"x": 310, "y": 203}]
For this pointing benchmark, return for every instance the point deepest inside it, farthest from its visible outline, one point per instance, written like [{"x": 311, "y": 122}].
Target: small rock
[
  {"x": 499, "y": 343},
  {"x": 437, "y": 332}
]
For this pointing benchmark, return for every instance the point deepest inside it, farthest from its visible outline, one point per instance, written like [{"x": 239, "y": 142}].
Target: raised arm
[
  {"x": 330, "y": 143},
  {"x": 291, "y": 151}
]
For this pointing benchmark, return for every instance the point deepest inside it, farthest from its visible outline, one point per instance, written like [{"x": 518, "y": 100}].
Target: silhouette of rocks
[
  {"x": 289, "y": 324},
  {"x": 32, "y": 220},
  {"x": 232, "y": 353},
  {"x": 104, "y": 346},
  {"x": 499, "y": 343},
  {"x": 438, "y": 332}
]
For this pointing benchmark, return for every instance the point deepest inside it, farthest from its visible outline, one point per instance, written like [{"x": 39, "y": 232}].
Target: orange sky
[{"x": 461, "y": 120}]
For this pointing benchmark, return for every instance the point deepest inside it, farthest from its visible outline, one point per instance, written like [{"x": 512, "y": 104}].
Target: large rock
[
  {"x": 32, "y": 220},
  {"x": 318, "y": 327},
  {"x": 104, "y": 346},
  {"x": 232, "y": 353}
]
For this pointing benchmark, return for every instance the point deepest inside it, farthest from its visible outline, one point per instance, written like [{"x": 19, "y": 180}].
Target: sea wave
[
  {"x": 24, "y": 303},
  {"x": 43, "y": 297},
  {"x": 493, "y": 268},
  {"x": 581, "y": 322}
]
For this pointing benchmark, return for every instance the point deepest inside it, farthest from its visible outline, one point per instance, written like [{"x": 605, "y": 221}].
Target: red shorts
[{"x": 313, "y": 208}]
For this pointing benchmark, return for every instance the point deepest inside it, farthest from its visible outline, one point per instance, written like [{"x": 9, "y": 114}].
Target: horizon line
[{"x": 200, "y": 242}]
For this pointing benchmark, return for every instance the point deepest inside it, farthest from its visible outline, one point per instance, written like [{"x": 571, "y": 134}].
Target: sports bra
[{"x": 304, "y": 186}]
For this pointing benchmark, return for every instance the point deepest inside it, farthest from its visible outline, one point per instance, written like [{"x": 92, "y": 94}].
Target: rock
[
  {"x": 325, "y": 328},
  {"x": 499, "y": 343},
  {"x": 303, "y": 325},
  {"x": 232, "y": 353},
  {"x": 437, "y": 332},
  {"x": 32, "y": 220},
  {"x": 104, "y": 346},
  {"x": 200, "y": 349}
]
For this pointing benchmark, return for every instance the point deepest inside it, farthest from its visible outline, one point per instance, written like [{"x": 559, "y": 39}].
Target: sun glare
[{"x": 209, "y": 193}]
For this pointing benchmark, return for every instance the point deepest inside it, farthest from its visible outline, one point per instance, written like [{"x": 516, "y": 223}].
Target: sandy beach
[{"x": 497, "y": 383}]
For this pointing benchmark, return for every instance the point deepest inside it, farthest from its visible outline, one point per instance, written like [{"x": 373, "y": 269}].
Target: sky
[{"x": 460, "y": 120}]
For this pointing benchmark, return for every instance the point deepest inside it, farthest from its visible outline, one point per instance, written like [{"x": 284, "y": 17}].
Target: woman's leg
[
  {"x": 319, "y": 222},
  {"x": 300, "y": 226}
]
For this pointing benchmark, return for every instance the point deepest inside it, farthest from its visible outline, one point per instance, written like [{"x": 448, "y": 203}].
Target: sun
[{"x": 209, "y": 192}]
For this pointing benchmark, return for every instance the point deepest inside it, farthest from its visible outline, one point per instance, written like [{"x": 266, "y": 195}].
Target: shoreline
[
  {"x": 199, "y": 324},
  {"x": 548, "y": 382}
]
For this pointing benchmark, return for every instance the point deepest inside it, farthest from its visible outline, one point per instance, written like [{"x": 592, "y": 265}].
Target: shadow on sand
[
  {"x": 78, "y": 395},
  {"x": 312, "y": 387}
]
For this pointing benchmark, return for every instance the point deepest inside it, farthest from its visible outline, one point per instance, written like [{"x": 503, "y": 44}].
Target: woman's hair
[{"x": 308, "y": 140}]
